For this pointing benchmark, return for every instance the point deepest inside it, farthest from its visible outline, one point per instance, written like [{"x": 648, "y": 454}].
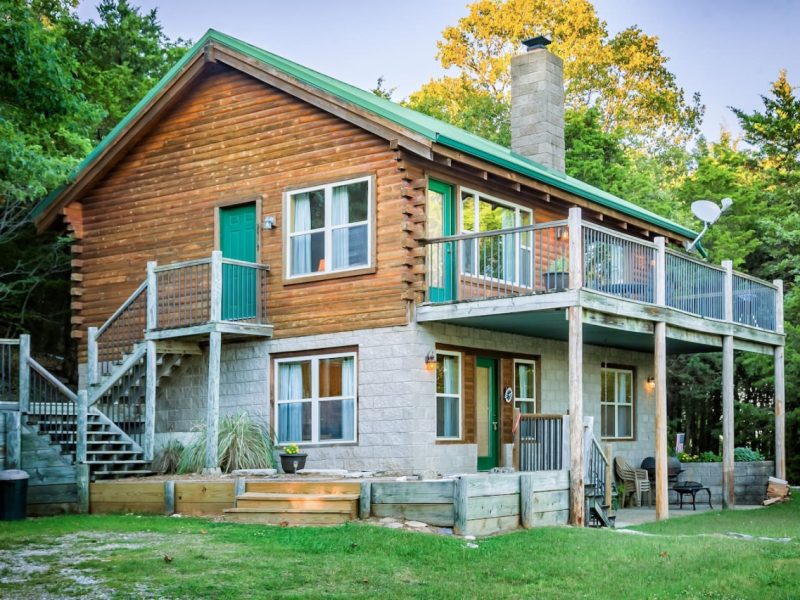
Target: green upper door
[
  {"x": 487, "y": 413},
  {"x": 237, "y": 240},
  {"x": 441, "y": 221}
]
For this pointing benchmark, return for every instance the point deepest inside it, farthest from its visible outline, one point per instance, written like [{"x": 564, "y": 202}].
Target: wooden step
[
  {"x": 304, "y": 487},
  {"x": 287, "y": 517},
  {"x": 322, "y": 502}
]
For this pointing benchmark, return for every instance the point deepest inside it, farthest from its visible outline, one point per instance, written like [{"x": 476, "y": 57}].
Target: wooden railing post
[
  {"x": 216, "y": 286},
  {"x": 151, "y": 381},
  {"x": 91, "y": 362},
  {"x": 728, "y": 463},
  {"x": 24, "y": 372},
  {"x": 575, "y": 249},
  {"x": 212, "y": 405},
  {"x": 13, "y": 425},
  {"x": 82, "y": 426},
  {"x": 780, "y": 388},
  {"x": 152, "y": 296},
  {"x": 661, "y": 271},
  {"x": 608, "y": 451}
]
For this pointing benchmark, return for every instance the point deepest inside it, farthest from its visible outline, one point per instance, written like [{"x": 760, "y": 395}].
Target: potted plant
[
  {"x": 292, "y": 460},
  {"x": 557, "y": 275}
]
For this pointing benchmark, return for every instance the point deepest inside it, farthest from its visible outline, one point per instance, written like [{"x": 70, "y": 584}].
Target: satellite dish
[{"x": 705, "y": 210}]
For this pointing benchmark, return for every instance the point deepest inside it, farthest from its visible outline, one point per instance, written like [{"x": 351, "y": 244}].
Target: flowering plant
[{"x": 291, "y": 449}]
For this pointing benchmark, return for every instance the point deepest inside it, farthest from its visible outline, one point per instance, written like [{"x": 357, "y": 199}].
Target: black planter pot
[
  {"x": 556, "y": 281},
  {"x": 291, "y": 463}
]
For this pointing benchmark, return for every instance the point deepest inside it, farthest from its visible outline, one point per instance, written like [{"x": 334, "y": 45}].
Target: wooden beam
[
  {"x": 82, "y": 478},
  {"x": 662, "y": 493},
  {"x": 13, "y": 439},
  {"x": 92, "y": 374},
  {"x": 576, "y": 484},
  {"x": 151, "y": 383},
  {"x": 365, "y": 500},
  {"x": 152, "y": 296},
  {"x": 24, "y": 372},
  {"x": 526, "y": 499},
  {"x": 460, "y": 500},
  {"x": 728, "y": 462},
  {"x": 212, "y": 407},
  {"x": 216, "y": 286},
  {"x": 780, "y": 413},
  {"x": 82, "y": 426}
]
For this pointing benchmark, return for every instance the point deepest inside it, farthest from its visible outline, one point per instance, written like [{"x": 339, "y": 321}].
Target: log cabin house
[{"x": 384, "y": 289}]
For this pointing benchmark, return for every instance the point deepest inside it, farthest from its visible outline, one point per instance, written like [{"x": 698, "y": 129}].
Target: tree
[{"x": 624, "y": 77}]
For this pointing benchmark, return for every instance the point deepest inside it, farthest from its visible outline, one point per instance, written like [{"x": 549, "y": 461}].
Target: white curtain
[
  {"x": 301, "y": 244},
  {"x": 449, "y": 404},
  {"x": 348, "y": 406},
  {"x": 523, "y": 381},
  {"x": 290, "y": 417},
  {"x": 341, "y": 237}
]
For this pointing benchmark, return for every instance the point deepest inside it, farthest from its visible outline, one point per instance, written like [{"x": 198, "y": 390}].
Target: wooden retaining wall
[
  {"x": 161, "y": 497},
  {"x": 479, "y": 504}
]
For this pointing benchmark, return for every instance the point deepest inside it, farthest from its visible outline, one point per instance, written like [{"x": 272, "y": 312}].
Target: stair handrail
[
  {"x": 142, "y": 287},
  {"x": 99, "y": 391},
  {"x": 595, "y": 465},
  {"x": 52, "y": 379}
]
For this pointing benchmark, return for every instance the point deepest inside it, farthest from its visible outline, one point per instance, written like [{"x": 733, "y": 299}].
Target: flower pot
[
  {"x": 291, "y": 463},
  {"x": 555, "y": 281}
]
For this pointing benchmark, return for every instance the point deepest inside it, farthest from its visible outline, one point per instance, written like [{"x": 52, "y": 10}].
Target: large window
[
  {"x": 448, "y": 395},
  {"x": 329, "y": 228},
  {"x": 525, "y": 386},
  {"x": 504, "y": 257},
  {"x": 616, "y": 402},
  {"x": 316, "y": 399}
]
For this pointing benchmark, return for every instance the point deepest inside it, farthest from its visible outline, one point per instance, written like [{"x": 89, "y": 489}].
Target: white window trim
[
  {"x": 328, "y": 227},
  {"x": 315, "y": 399},
  {"x": 518, "y": 210},
  {"x": 617, "y": 371},
  {"x": 460, "y": 396},
  {"x": 517, "y": 399}
]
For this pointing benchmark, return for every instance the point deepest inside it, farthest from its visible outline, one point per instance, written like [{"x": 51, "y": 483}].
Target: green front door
[
  {"x": 487, "y": 413},
  {"x": 237, "y": 240},
  {"x": 441, "y": 221}
]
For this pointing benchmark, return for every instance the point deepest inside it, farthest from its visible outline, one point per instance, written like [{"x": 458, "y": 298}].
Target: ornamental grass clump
[
  {"x": 242, "y": 443},
  {"x": 168, "y": 458}
]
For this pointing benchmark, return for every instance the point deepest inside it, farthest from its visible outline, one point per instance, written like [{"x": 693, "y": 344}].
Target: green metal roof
[{"x": 423, "y": 125}]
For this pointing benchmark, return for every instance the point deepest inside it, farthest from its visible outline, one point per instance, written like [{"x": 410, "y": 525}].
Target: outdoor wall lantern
[
  {"x": 650, "y": 383},
  {"x": 430, "y": 361}
]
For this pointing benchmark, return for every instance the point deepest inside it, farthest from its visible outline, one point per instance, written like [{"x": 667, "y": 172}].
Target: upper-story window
[
  {"x": 505, "y": 257},
  {"x": 330, "y": 228}
]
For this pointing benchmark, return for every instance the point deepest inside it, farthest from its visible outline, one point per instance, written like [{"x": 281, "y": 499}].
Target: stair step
[
  {"x": 288, "y": 517},
  {"x": 118, "y": 462},
  {"x": 299, "y": 502},
  {"x": 117, "y": 474},
  {"x": 304, "y": 487},
  {"x": 278, "y": 496}
]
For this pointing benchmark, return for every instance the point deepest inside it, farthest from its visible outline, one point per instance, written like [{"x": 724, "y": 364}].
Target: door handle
[{"x": 494, "y": 424}]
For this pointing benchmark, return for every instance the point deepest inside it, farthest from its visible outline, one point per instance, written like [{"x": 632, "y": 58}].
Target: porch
[{"x": 583, "y": 283}]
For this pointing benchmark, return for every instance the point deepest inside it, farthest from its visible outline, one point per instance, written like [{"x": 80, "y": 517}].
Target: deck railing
[
  {"x": 56, "y": 405},
  {"x": 695, "y": 286},
  {"x": 125, "y": 328},
  {"x": 595, "y": 465},
  {"x": 541, "y": 442},
  {"x": 9, "y": 370},
  {"x": 493, "y": 264},
  {"x": 618, "y": 264},
  {"x": 535, "y": 259}
]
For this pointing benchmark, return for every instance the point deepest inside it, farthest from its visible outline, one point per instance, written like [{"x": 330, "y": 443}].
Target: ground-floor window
[
  {"x": 448, "y": 395},
  {"x": 316, "y": 398},
  {"x": 616, "y": 402},
  {"x": 525, "y": 386}
]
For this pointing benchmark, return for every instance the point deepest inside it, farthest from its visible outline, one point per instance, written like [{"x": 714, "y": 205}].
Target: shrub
[
  {"x": 747, "y": 455},
  {"x": 242, "y": 443},
  {"x": 168, "y": 458},
  {"x": 703, "y": 457}
]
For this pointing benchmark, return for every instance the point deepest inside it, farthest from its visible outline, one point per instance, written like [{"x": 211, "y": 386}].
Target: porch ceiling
[{"x": 552, "y": 324}]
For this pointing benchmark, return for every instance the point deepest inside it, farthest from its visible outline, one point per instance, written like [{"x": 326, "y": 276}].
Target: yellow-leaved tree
[{"x": 623, "y": 77}]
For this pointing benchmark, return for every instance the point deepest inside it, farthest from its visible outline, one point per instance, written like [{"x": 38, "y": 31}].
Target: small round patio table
[{"x": 691, "y": 488}]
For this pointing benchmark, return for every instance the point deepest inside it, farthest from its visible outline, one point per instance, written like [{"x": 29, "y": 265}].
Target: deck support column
[
  {"x": 660, "y": 375},
  {"x": 575, "y": 316},
  {"x": 728, "y": 464},
  {"x": 24, "y": 373},
  {"x": 212, "y": 407},
  {"x": 780, "y": 388},
  {"x": 151, "y": 381}
]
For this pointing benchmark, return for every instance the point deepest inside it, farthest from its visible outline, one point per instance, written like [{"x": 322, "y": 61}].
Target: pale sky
[{"x": 728, "y": 50}]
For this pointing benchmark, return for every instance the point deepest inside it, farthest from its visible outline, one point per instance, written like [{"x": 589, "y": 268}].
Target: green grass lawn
[{"x": 124, "y": 556}]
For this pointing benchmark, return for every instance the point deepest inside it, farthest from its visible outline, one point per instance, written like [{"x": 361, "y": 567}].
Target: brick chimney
[{"x": 537, "y": 104}]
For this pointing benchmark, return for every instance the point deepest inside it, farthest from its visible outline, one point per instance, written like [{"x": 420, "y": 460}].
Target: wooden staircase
[{"x": 295, "y": 503}]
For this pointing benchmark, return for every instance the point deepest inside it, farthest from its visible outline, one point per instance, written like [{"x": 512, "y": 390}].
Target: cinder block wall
[{"x": 750, "y": 481}]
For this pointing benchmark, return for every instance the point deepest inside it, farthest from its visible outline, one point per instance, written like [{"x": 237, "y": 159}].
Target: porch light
[
  {"x": 562, "y": 233},
  {"x": 650, "y": 382},
  {"x": 430, "y": 361}
]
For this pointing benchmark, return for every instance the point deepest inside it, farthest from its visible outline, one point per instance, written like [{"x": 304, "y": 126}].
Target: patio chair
[{"x": 636, "y": 481}]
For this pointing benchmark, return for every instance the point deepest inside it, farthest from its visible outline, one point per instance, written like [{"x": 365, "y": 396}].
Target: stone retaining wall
[{"x": 750, "y": 481}]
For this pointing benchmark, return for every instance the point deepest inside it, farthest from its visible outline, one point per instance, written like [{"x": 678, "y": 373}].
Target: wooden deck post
[
  {"x": 151, "y": 381},
  {"x": 212, "y": 408},
  {"x": 13, "y": 426},
  {"x": 780, "y": 389},
  {"x": 152, "y": 296},
  {"x": 82, "y": 426},
  {"x": 82, "y": 479},
  {"x": 365, "y": 500},
  {"x": 660, "y": 373},
  {"x": 460, "y": 506},
  {"x": 526, "y": 499},
  {"x": 575, "y": 316},
  {"x": 728, "y": 464},
  {"x": 169, "y": 497},
  {"x": 24, "y": 372},
  {"x": 216, "y": 286},
  {"x": 91, "y": 356}
]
